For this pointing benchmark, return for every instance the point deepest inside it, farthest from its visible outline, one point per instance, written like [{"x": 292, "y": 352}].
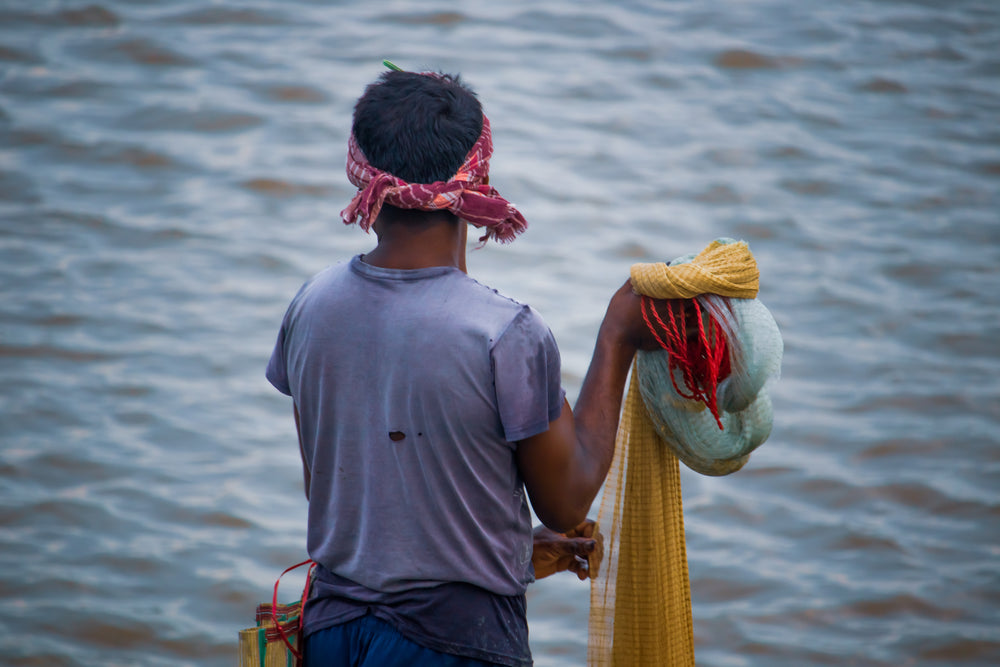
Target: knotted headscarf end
[{"x": 467, "y": 194}]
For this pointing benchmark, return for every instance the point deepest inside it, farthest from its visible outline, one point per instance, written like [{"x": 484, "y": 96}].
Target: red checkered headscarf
[{"x": 467, "y": 194}]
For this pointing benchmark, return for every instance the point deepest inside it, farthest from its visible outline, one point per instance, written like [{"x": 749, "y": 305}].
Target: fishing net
[{"x": 701, "y": 400}]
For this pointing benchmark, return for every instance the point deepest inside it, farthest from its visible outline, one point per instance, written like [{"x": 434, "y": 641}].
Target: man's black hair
[{"x": 417, "y": 127}]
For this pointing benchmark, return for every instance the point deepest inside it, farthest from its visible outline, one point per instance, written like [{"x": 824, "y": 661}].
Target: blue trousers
[{"x": 371, "y": 642}]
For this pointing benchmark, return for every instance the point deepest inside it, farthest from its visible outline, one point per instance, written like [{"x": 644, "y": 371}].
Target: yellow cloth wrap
[
  {"x": 726, "y": 269},
  {"x": 640, "y": 601}
]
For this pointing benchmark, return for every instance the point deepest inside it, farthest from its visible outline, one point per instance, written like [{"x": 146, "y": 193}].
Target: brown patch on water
[
  {"x": 145, "y": 52},
  {"x": 631, "y": 250},
  {"x": 715, "y": 589},
  {"x": 719, "y": 194},
  {"x": 273, "y": 187},
  {"x": 860, "y": 542},
  {"x": 22, "y": 137},
  {"x": 808, "y": 187},
  {"x": 745, "y": 59},
  {"x": 227, "y": 16},
  {"x": 963, "y": 649},
  {"x": 882, "y": 85},
  {"x": 208, "y": 120},
  {"x": 902, "y": 604},
  {"x": 59, "y": 320},
  {"x": 50, "y": 352},
  {"x": 140, "y": 157},
  {"x": 294, "y": 93},
  {"x": 751, "y": 231},
  {"x": 9, "y": 54},
  {"x": 787, "y": 152},
  {"x": 226, "y": 520},
  {"x": 991, "y": 168},
  {"x": 901, "y": 447},
  {"x": 432, "y": 18},
  {"x": 110, "y": 153},
  {"x": 89, "y": 16}
]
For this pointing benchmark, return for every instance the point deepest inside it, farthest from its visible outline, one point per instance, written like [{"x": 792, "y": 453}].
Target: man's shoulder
[
  {"x": 511, "y": 317},
  {"x": 493, "y": 295},
  {"x": 509, "y": 310},
  {"x": 330, "y": 276}
]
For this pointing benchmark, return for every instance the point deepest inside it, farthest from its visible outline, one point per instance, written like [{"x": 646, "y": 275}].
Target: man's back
[{"x": 412, "y": 386}]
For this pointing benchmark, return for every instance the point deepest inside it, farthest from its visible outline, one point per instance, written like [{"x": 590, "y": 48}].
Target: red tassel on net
[{"x": 703, "y": 359}]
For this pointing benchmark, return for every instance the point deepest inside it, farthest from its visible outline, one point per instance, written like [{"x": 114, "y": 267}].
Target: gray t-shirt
[{"x": 413, "y": 387}]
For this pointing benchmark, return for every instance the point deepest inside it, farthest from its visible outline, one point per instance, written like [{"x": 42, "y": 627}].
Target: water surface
[{"x": 171, "y": 172}]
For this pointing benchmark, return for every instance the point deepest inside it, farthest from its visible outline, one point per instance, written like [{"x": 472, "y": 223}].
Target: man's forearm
[{"x": 598, "y": 406}]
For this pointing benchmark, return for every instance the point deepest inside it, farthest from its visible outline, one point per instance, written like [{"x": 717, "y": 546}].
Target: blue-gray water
[{"x": 171, "y": 171}]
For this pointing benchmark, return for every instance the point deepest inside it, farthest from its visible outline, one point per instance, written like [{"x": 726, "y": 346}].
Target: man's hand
[
  {"x": 625, "y": 312},
  {"x": 624, "y": 315},
  {"x": 578, "y": 550}
]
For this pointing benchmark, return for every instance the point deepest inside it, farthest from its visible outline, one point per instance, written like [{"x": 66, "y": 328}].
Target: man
[{"x": 427, "y": 404}]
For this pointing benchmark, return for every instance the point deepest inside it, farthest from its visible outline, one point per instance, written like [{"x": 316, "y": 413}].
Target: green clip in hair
[{"x": 392, "y": 66}]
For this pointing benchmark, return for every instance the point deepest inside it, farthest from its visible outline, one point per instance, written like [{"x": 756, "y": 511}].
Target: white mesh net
[{"x": 755, "y": 351}]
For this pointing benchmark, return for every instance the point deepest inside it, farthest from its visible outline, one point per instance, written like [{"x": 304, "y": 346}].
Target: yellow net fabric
[{"x": 640, "y": 601}]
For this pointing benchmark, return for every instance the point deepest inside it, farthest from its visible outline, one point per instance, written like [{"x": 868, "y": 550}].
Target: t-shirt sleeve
[
  {"x": 277, "y": 369},
  {"x": 527, "y": 375}
]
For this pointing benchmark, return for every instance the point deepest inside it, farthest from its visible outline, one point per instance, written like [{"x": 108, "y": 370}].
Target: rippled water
[{"x": 170, "y": 172}]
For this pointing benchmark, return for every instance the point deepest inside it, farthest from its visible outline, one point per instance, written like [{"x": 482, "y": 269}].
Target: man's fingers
[
  {"x": 577, "y": 546},
  {"x": 585, "y": 529},
  {"x": 580, "y": 568}
]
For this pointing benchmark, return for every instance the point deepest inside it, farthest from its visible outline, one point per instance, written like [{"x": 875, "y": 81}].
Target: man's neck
[{"x": 410, "y": 239}]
